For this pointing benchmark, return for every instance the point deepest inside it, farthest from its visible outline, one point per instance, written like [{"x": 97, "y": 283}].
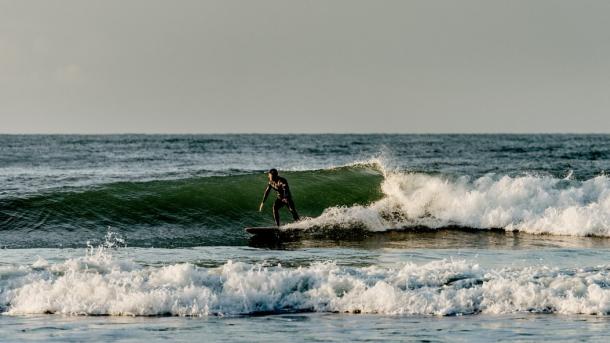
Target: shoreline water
[{"x": 97, "y": 229}]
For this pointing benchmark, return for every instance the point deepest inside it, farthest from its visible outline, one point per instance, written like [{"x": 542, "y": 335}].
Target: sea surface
[{"x": 403, "y": 238}]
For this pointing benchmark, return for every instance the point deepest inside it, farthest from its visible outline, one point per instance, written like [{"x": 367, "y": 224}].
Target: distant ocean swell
[
  {"x": 99, "y": 285},
  {"x": 213, "y": 210}
]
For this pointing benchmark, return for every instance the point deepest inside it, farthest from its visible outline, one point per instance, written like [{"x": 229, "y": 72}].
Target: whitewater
[
  {"x": 532, "y": 204},
  {"x": 98, "y": 284},
  {"x": 403, "y": 237}
]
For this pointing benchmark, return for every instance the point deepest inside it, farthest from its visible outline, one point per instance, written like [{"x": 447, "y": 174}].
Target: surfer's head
[{"x": 272, "y": 173}]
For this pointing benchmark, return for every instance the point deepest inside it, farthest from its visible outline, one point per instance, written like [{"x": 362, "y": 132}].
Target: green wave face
[{"x": 198, "y": 211}]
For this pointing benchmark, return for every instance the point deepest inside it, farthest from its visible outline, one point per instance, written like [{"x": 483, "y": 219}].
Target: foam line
[{"x": 100, "y": 285}]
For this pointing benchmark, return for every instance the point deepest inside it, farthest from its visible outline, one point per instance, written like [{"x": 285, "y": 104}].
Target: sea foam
[
  {"x": 98, "y": 284},
  {"x": 530, "y": 203}
]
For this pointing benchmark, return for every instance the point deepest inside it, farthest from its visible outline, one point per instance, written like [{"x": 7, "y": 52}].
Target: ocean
[{"x": 402, "y": 238}]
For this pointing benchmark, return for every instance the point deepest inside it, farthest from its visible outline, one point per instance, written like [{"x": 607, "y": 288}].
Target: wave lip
[
  {"x": 99, "y": 285},
  {"x": 532, "y": 204}
]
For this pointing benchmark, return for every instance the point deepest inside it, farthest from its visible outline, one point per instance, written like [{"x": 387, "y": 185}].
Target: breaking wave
[
  {"x": 362, "y": 196},
  {"x": 97, "y": 284},
  {"x": 529, "y": 203}
]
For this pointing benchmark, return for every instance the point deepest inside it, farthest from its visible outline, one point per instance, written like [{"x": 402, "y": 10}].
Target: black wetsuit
[{"x": 284, "y": 198}]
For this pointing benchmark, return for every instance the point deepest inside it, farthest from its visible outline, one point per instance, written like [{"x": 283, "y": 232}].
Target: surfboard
[{"x": 263, "y": 230}]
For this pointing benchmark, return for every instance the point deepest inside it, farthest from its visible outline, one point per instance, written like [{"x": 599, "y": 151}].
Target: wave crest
[{"x": 532, "y": 204}]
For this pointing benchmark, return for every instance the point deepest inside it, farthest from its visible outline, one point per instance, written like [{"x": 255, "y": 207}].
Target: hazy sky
[{"x": 304, "y": 66}]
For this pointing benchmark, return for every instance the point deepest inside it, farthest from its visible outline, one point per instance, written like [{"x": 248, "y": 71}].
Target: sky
[{"x": 327, "y": 66}]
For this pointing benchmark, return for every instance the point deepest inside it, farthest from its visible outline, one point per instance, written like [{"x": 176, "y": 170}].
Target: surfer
[{"x": 284, "y": 198}]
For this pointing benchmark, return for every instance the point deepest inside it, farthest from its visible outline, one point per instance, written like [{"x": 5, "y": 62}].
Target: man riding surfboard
[{"x": 284, "y": 198}]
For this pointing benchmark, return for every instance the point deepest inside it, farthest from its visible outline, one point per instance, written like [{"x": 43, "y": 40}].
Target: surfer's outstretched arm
[{"x": 267, "y": 190}]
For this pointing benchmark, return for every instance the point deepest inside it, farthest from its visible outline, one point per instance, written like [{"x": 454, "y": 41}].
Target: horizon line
[{"x": 291, "y": 133}]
